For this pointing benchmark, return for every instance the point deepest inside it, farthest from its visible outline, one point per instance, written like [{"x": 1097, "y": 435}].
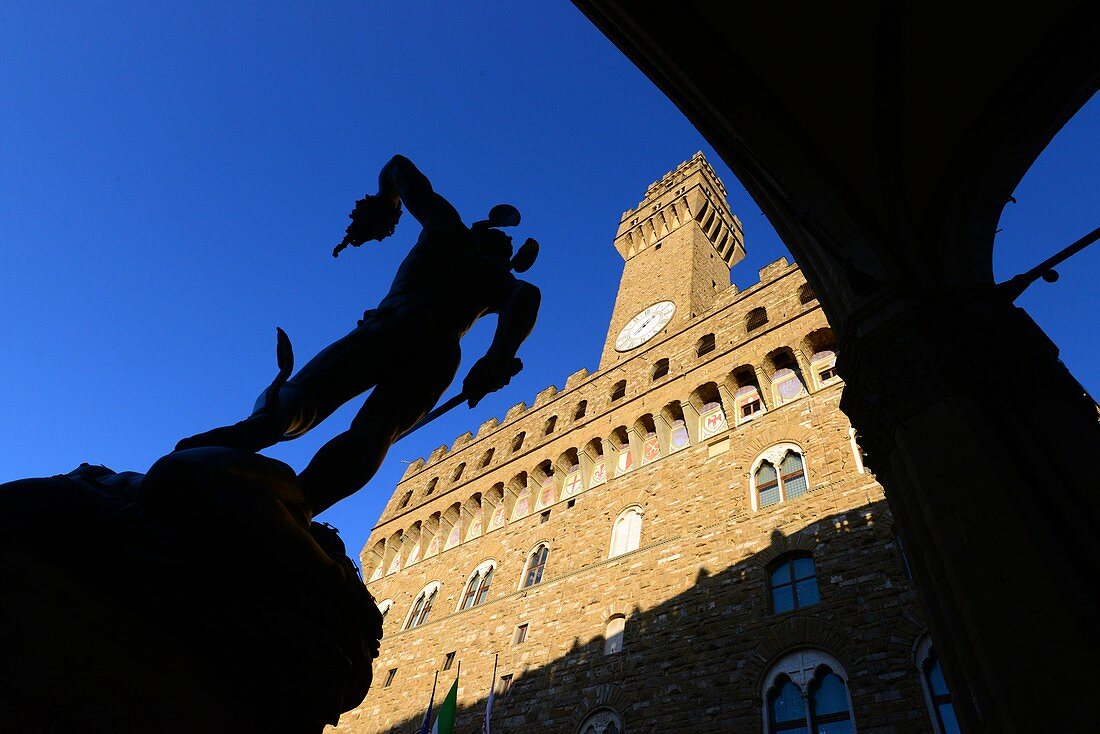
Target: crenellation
[
  {"x": 544, "y": 396},
  {"x": 773, "y": 270},
  {"x": 576, "y": 378},
  {"x": 514, "y": 411}
]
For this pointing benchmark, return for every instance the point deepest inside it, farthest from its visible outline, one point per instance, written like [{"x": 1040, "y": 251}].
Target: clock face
[{"x": 645, "y": 325}]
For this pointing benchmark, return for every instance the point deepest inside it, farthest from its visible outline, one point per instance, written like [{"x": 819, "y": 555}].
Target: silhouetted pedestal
[{"x": 196, "y": 598}]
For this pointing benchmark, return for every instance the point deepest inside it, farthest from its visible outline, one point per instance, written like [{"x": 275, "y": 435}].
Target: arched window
[
  {"x": 536, "y": 563},
  {"x": 936, "y": 693},
  {"x": 779, "y": 475},
  {"x": 660, "y": 369},
  {"x": 601, "y": 721},
  {"x": 767, "y": 485},
  {"x": 705, "y": 345},
  {"x": 431, "y": 485},
  {"x": 422, "y": 607},
  {"x": 786, "y": 709},
  {"x": 792, "y": 475},
  {"x": 477, "y": 588},
  {"x": 548, "y": 428},
  {"x": 582, "y": 408},
  {"x": 627, "y": 532},
  {"x": 487, "y": 458},
  {"x": 405, "y": 500},
  {"x": 458, "y": 472},
  {"x": 384, "y": 607},
  {"x": 807, "y": 692},
  {"x": 756, "y": 318},
  {"x": 517, "y": 442},
  {"x": 829, "y": 710},
  {"x": 823, "y": 365},
  {"x": 792, "y": 582},
  {"x": 619, "y": 390},
  {"x": 613, "y": 637}
]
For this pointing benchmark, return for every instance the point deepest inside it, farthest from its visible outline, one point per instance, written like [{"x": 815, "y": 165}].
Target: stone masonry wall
[{"x": 699, "y": 633}]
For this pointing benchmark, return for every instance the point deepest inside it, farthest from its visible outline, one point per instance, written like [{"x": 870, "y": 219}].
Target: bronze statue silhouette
[{"x": 406, "y": 349}]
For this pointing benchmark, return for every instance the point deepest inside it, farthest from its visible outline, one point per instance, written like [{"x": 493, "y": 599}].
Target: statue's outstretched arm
[
  {"x": 516, "y": 318},
  {"x": 402, "y": 182}
]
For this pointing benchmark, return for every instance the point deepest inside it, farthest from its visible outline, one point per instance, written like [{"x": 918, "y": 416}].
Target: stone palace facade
[{"x": 685, "y": 540}]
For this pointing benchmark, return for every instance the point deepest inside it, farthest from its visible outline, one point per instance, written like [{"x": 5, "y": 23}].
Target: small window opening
[
  {"x": 619, "y": 391},
  {"x": 505, "y": 684},
  {"x": 431, "y": 485},
  {"x": 449, "y": 660},
  {"x": 487, "y": 458},
  {"x": 705, "y": 345},
  {"x": 521, "y": 635},
  {"x": 582, "y": 407},
  {"x": 548, "y": 428},
  {"x": 389, "y": 677},
  {"x": 756, "y": 318},
  {"x": 517, "y": 442},
  {"x": 660, "y": 369},
  {"x": 405, "y": 500},
  {"x": 458, "y": 472},
  {"x": 751, "y": 407},
  {"x": 544, "y": 517},
  {"x": 570, "y": 503},
  {"x": 806, "y": 293}
]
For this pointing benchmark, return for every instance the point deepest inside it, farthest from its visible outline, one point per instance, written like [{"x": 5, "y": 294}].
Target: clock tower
[{"x": 679, "y": 244}]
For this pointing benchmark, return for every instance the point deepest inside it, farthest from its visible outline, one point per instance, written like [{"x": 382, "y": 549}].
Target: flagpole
[
  {"x": 492, "y": 690},
  {"x": 425, "y": 727}
]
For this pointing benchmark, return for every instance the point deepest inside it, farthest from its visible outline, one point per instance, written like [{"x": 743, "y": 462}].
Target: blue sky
[{"x": 174, "y": 176}]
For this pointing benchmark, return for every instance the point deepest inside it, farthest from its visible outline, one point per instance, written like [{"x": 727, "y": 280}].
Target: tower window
[
  {"x": 486, "y": 458},
  {"x": 806, "y": 294},
  {"x": 458, "y": 472},
  {"x": 936, "y": 691},
  {"x": 431, "y": 485},
  {"x": 613, "y": 636},
  {"x": 449, "y": 660},
  {"x": 405, "y": 500},
  {"x": 806, "y": 692},
  {"x": 521, "y": 634},
  {"x": 517, "y": 442},
  {"x": 505, "y": 684},
  {"x": 774, "y": 484},
  {"x": 422, "y": 607},
  {"x": 619, "y": 390},
  {"x": 792, "y": 580},
  {"x": 660, "y": 369},
  {"x": 477, "y": 588},
  {"x": 548, "y": 428},
  {"x": 536, "y": 563},
  {"x": 705, "y": 345},
  {"x": 389, "y": 677},
  {"x": 582, "y": 408},
  {"x": 627, "y": 532},
  {"x": 756, "y": 318}
]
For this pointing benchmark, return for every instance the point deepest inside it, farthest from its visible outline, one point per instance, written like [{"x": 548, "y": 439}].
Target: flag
[
  {"x": 445, "y": 719},
  {"x": 428, "y": 712},
  {"x": 489, "y": 703}
]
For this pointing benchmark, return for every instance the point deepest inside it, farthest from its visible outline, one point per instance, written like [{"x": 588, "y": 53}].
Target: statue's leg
[
  {"x": 256, "y": 432},
  {"x": 348, "y": 461}
]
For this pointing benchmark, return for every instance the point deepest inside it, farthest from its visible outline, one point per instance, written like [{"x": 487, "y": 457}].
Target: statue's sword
[{"x": 438, "y": 411}]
